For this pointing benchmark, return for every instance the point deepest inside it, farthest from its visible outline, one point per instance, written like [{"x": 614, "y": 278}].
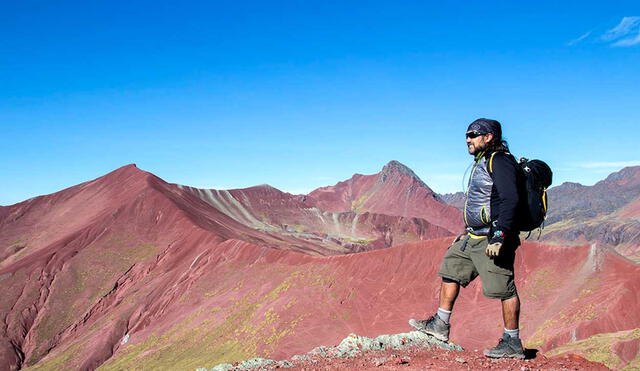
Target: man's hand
[
  {"x": 495, "y": 243},
  {"x": 493, "y": 249}
]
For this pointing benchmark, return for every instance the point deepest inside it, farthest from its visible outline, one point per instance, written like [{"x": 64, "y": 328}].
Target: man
[{"x": 488, "y": 247}]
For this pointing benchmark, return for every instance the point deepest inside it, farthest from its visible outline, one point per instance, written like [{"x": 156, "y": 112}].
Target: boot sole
[{"x": 504, "y": 355}]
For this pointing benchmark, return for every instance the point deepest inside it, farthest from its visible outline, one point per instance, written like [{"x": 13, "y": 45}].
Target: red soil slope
[
  {"x": 61, "y": 253},
  {"x": 129, "y": 271},
  {"x": 396, "y": 190},
  {"x": 219, "y": 302}
]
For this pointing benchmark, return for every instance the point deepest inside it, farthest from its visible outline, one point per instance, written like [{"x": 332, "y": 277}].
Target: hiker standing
[{"x": 488, "y": 247}]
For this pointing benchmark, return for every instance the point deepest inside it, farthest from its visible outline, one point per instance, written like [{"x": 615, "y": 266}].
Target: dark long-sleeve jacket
[{"x": 492, "y": 194}]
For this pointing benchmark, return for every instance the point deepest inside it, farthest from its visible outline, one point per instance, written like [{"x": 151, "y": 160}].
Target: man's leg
[
  {"x": 510, "y": 346},
  {"x": 511, "y": 313},
  {"x": 438, "y": 324},
  {"x": 457, "y": 265},
  {"x": 498, "y": 283},
  {"x": 448, "y": 293}
]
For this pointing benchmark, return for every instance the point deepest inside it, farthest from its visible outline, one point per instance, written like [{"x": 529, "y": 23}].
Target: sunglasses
[{"x": 474, "y": 134}]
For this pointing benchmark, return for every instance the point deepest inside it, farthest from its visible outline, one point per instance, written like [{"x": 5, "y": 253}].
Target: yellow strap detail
[
  {"x": 491, "y": 162},
  {"x": 476, "y": 237},
  {"x": 483, "y": 215},
  {"x": 544, "y": 200}
]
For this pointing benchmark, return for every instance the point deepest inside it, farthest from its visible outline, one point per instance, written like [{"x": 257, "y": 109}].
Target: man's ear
[{"x": 488, "y": 137}]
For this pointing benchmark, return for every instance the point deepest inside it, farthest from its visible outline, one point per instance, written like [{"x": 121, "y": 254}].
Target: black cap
[{"x": 486, "y": 126}]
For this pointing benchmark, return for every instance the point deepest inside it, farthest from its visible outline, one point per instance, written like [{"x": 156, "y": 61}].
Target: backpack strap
[
  {"x": 490, "y": 166},
  {"x": 491, "y": 162}
]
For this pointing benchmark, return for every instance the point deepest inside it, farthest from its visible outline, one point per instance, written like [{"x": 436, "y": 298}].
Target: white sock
[
  {"x": 512, "y": 333},
  {"x": 444, "y": 315}
]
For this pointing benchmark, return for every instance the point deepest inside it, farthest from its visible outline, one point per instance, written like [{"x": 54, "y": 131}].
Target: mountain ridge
[{"x": 115, "y": 270}]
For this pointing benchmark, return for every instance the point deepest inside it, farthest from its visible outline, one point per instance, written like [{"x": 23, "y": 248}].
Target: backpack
[{"x": 535, "y": 177}]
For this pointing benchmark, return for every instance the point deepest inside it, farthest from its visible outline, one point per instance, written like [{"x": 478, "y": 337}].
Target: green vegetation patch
[
  {"x": 541, "y": 283},
  {"x": 17, "y": 245},
  {"x": 88, "y": 276},
  {"x": 248, "y": 326},
  {"x": 361, "y": 241},
  {"x": 539, "y": 338},
  {"x": 598, "y": 348},
  {"x": 59, "y": 362},
  {"x": 358, "y": 204},
  {"x": 11, "y": 288}
]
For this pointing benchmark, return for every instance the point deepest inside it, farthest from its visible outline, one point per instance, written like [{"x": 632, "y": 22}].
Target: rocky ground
[{"x": 407, "y": 351}]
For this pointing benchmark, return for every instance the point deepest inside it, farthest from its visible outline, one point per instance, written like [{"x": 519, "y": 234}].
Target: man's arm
[{"x": 505, "y": 180}]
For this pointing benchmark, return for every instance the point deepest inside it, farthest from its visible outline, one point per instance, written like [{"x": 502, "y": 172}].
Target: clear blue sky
[{"x": 302, "y": 94}]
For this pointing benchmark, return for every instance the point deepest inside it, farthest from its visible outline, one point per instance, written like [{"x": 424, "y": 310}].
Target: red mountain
[
  {"x": 607, "y": 212},
  {"x": 396, "y": 190},
  {"x": 128, "y": 271},
  {"x": 61, "y": 253}
]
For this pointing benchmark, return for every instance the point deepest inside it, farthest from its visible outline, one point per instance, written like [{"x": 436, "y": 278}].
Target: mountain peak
[
  {"x": 261, "y": 188},
  {"x": 124, "y": 172},
  {"x": 397, "y": 167},
  {"x": 627, "y": 173}
]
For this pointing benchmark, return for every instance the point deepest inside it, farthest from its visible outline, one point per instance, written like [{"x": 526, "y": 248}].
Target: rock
[
  {"x": 379, "y": 361},
  {"x": 321, "y": 351},
  {"x": 300, "y": 357},
  {"x": 223, "y": 367},
  {"x": 284, "y": 364},
  {"x": 354, "y": 344},
  {"x": 250, "y": 364},
  {"x": 255, "y": 363},
  {"x": 349, "y": 347},
  {"x": 458, "y": 359},
  {"x": 125, "y": 339}
]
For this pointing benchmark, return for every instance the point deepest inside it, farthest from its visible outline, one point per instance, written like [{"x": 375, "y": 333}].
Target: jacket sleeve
[{"x": 505, "y": 180}]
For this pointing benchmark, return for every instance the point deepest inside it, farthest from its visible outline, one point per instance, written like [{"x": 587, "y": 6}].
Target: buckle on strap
[{"x": 464, "y": 242}]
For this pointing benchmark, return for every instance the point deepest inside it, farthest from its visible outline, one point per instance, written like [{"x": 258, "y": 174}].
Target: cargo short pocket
[
  {"x": 498, "y": 283},
  {"x": 495, "y": 269}
]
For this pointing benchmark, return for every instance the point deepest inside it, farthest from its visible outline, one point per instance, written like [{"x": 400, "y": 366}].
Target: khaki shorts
[{"x": 496, "y": 274}]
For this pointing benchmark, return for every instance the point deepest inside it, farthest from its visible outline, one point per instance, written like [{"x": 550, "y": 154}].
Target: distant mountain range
[
  {"x": 607, "y": 212},
  {"x": 129, "y": 271}
]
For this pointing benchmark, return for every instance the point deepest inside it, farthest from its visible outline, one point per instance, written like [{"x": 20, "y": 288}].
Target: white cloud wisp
[
  {"x": 626, "y": 33},
  {"x": 579, "y": 39}
]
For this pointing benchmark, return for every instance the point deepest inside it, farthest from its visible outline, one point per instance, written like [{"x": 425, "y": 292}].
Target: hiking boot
[
  {"x": 507, "y": 347},
  {"x": 433, "y": 326}
]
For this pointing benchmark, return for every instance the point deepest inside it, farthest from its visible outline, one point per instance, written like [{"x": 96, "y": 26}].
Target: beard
[{"x": 474, "y": 149}]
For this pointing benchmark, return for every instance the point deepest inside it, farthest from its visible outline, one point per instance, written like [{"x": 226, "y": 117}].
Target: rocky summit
[{"x": 411, "y": 351}]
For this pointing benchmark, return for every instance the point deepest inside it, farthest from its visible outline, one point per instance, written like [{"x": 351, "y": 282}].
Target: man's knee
[{"x": 514, "y": 295}]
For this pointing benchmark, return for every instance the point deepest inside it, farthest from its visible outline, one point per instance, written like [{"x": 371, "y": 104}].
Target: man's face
[{"x": 477, "y": 142}]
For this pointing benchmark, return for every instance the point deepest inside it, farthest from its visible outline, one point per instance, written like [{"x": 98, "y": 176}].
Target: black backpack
[{"x": 535, "y": 177}]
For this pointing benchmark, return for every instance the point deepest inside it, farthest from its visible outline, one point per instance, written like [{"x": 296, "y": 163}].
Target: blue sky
[{"x": 303, "y": 94}]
